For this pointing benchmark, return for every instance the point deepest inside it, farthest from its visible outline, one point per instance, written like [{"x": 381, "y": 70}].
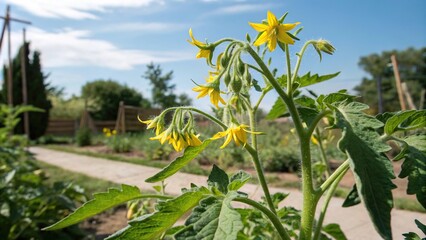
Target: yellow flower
[
  {"x": 273, "y": 31},
  {"x": 212, "y": 91},
  {"x": 153, "y": 123},
  {"x": 178, "y": 140},
  {"x": 203, "y": 53},
  {"x": 235, "y": 132}
]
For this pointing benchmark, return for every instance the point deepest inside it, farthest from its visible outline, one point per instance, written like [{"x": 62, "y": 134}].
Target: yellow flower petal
[
  {"x": 260, "y": 27},
  {"x": 288, "y": 26},
  {"x": 284, "y": 37},
  {"x": 272, "y": 20},
  {"x": 272, "y": 43},
  {"x": 263, "y": 38}
]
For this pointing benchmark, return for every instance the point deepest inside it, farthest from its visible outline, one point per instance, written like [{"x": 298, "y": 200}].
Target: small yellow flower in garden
[
  {"x": 212, "y": 91},
  {"x": 114, "y": 132},
  {"x": 314, "y": 140},
  {"x": 178, "y": 140},
  {"x": 193, "y": 139},
  {"x": 235, "y": 132},
  {"x": 273, "y": 31},
  {"x": 154, "y": 123},
  {"x": 203, "y": 53}
]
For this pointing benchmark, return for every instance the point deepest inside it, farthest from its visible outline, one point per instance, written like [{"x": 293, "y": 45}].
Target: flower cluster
[
  {"x": 179, "y": 134},
  {"x": 108, "y": 132},
  {"x": 235, "y": 75}
]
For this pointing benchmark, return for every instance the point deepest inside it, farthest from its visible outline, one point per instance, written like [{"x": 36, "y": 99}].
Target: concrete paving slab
[{"x": 354, "y": 220}]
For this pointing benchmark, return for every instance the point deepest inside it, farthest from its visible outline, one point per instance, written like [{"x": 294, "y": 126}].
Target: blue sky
[{"x": 81, "y": 41}]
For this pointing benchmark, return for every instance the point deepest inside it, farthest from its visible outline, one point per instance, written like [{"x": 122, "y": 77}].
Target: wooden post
[
  {"x": 398, "y": 83},
  {"x": 24, "y": 85},
  {"x": 422, "y": 98},
  {"x": 123, "y": 115},
  {"x": 9, "y": 54},
  {"x": 408, "y": 96}
]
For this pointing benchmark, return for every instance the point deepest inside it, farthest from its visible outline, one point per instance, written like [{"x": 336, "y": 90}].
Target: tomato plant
[{"x": 364, "y": 141}]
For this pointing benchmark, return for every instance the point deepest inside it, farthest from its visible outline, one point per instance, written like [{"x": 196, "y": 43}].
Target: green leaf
[
  {"x": 152, "y": 226},
  {"x": 352, "y": 199},
  {"x": 238, "y": 180},
  {"x": 6, "y": 178},
  {"x": 335, "y": 231},
  {"x": 100, "y": 203},
  {"x": 278, "y": 109},
  {"x": 213, "y": 219},
  {"x": 335, "y": 98},
  {"x": 307, "y": 79},
  {"x": 421, "y": 226},
  {"x": 189, "y": 154},
  {"x": 218, "y": 178},
  {"x": 411, "y": 236},
  {"x": 307, "y": 114},
  {"x": 407, "y": 120},
  {"x": 372, "y": 170},
  {"x": 414, "y": 167}
]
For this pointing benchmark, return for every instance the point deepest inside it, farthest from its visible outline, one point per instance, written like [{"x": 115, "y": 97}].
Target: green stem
[
  {"x": 323, "y": 155},
  {"x": 212, "y": 118},
  {"x": 342, "y": 168},
  {"x": 315, "y": 122},
  {"x": 310, "y": 199},
  {"x": 327, "y": 199},
  {"x": 264, "y": 92},
  {"x": 260, "y": 174},
  {"x": 299, "y": 60},
  {"x": 272, "y": 216},
  {"x": 288, "y": 63}
]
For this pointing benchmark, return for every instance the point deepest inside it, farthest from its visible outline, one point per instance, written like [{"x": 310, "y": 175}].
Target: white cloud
[
  {"x": 138, "y": 26},
  {"x": 76, "y": 9},
  {"x": 241, "y": 8},
  {"x": 70, "y": 47}
]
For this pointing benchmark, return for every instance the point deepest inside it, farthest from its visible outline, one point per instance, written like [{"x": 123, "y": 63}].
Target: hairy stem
[
  {"x": 342, "y": 168},
  {"x": 272, "y": 216},
  {"x": 327, "y": 199},
  {"x": 260, "y": 174},
  {"x": 288, "y": 63}
]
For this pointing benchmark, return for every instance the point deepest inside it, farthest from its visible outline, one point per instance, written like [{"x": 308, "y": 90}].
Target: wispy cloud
[
  {"x": 70, "y": 47},
  {"x": 76, "y": 9},
  {"x": 240, "y": 8},
  {"x": 140, "y": 26}
]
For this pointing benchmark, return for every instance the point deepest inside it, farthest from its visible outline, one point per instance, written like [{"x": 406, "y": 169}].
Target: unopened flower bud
[
  {"x": 324, "y": 46},
  {"x": 236, "y": 84}
]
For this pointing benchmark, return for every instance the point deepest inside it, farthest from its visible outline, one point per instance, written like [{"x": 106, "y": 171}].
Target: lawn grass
[{"x": 194, "y": 168}]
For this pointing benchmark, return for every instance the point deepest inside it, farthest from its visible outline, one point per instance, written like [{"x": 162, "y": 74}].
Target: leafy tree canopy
[
  {"x": 162, "y": 89},
  {"x": 412, "y": 68},
  {"x": 37, "y": 90},
  {"x": 106, "y": 96}
]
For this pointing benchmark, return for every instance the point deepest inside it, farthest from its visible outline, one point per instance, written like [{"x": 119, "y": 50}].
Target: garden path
[{"x": 354, "y": 220}]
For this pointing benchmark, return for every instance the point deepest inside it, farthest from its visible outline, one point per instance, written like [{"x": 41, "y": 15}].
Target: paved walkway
[{"x": 354, "y": 220}]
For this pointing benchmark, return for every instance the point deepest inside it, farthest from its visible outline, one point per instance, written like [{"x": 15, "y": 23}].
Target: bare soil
[{"x": 107, "y": 223}]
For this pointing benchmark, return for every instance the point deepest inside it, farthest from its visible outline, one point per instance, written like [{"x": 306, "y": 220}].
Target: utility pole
[
  {"x": 398, "y": 83},
  {"x": 24, "y": 84},
  {"x": 6, "y": 24}
]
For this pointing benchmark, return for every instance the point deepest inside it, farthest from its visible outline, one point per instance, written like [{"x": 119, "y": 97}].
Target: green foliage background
[{"x": 37, "y": 91}]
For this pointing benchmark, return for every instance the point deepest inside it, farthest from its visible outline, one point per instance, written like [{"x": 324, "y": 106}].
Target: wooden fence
[{"x": 59, "y": 127}]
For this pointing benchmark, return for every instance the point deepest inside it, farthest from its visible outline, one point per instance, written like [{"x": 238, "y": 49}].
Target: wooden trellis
[{"x": 127, "y": 120}]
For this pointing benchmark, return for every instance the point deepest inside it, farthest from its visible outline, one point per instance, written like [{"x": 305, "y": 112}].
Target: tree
[
  {"x": 37, "y": 91},
  {"x": 162, "y": 89},
  {"x": 106, "y": 96},
  {"x": 412, "y": 67}
]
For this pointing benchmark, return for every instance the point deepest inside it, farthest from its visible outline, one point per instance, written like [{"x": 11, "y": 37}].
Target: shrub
[{"x": 83, "y": 137}]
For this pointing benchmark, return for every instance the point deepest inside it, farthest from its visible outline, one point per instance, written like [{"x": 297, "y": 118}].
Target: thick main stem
[{"x": 310, "y": 198}]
